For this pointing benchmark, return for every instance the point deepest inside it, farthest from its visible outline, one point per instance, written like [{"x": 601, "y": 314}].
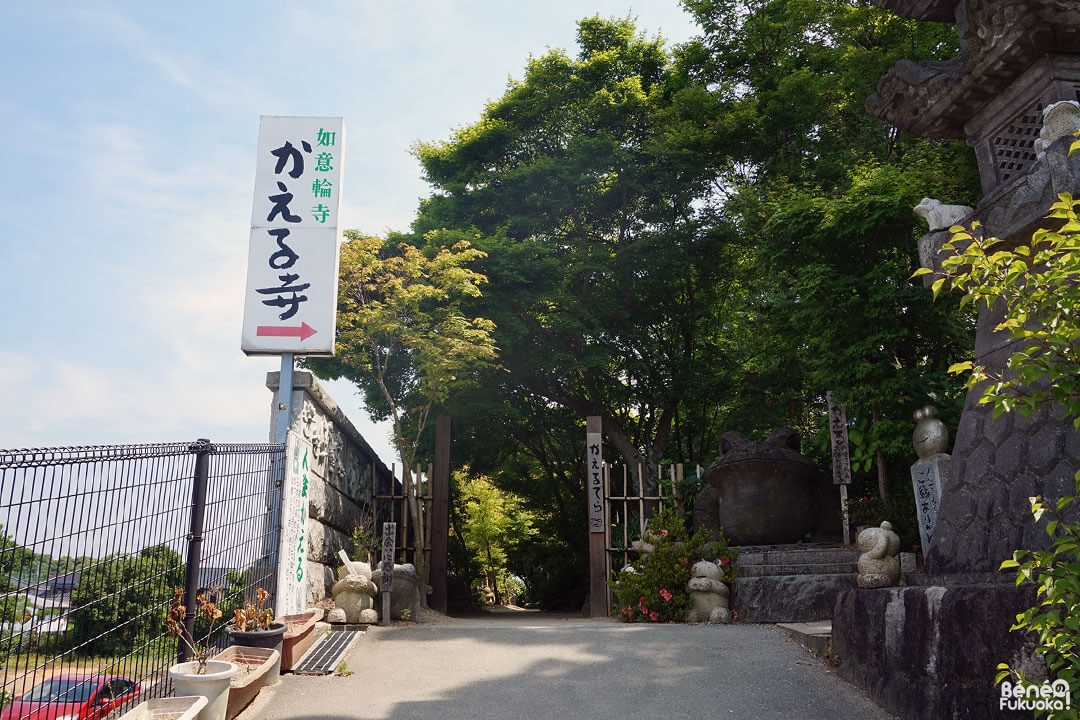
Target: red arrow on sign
[{"x": 302, "y": 331}]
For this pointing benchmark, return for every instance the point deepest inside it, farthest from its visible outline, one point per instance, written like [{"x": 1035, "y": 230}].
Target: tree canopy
[{"x": 690, "y": 240}]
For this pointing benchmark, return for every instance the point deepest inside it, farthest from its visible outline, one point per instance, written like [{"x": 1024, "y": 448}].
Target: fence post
[{"x": 202, "y": 449}]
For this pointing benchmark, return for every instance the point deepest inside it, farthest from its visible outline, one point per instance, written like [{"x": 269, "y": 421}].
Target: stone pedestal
[
  {"x": 931, "y": 651},
  {"x": 928, "y": 476}
]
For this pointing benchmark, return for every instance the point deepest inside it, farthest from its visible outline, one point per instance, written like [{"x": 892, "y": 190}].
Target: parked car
[{"x": 72, "y": 697}]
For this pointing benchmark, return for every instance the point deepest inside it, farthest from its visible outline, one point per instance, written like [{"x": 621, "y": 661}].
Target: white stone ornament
[{"x": 941, "y": 216}]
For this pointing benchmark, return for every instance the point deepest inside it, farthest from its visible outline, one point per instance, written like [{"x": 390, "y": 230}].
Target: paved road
[{"x": 530, "y": 666}]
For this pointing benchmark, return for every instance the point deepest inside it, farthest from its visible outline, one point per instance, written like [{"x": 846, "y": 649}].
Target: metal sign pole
[{"x": 284, "y": 405}]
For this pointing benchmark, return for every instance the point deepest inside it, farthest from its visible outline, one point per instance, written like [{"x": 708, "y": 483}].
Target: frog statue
[{"x": 878, "y": 565}]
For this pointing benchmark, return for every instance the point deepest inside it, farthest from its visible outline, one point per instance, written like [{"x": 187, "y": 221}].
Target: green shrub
[{"x": 655, "y": 591}]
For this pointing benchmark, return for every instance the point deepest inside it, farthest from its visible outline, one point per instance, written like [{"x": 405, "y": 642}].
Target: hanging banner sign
[{"x": 290, "y": 305}]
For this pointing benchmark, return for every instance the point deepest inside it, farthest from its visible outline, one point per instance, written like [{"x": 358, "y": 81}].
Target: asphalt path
[{"x": 530, "y": 665}]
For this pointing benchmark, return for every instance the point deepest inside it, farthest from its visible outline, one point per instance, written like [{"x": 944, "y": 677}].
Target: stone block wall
[{"x": 344, "y": 470}]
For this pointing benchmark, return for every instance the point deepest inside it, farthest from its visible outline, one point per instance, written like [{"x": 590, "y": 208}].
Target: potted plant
[
  {"x": 254, "y": 626},
  {"x": 299, "y": 636},
  {"x": 201, "y": 676},
  {"x": 257, "y": 667}
]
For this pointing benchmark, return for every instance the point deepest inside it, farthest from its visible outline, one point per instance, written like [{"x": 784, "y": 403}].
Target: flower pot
[
  {"x": 270, "y": 639},
  {"x": 299, "y": 636},
  {"x": 169, "y": 708},
  {"x": 256, "y": 667},
  {"x": 212, "y": 685}
]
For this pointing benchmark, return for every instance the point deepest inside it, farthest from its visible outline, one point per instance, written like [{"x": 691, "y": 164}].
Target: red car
[{"x": 72, "y": 697}]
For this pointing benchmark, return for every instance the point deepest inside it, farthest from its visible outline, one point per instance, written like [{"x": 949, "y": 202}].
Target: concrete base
[
  {"x": 815, "y": 636},
  {"x": 927, "y": 652},
  {"x": 788, "y": 598}
]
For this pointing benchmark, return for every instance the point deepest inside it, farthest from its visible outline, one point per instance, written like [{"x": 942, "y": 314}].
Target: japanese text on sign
[
  {"x": 839, "y": 435},
  {"x": 291, "y": 299},
  {"x": 292, "y": 566},
  {"x": 594, "y": 463},
  {"x": 386, "y": 566}
]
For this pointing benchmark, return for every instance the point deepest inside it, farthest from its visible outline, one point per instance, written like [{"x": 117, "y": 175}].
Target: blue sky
[{"x": 129, "y": 132}]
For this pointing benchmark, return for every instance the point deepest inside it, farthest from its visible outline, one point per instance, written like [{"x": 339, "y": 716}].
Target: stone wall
[
  {"x": 928, "y": 652},
  {"x": 343, "y": 472}
]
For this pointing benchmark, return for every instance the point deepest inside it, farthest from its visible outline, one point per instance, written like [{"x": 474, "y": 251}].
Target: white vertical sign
[
  {"x": 292, "y": 554},
  {"x": 290, "y": 304},
  {"x": 594, "y": 460}
]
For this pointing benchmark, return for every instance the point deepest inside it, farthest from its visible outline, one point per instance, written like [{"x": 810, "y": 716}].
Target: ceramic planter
[
  {"x": 270, "y": 639},
  {"x": 299, "y": 636},
  {"x": 212, "y": 685},
  {"x": 169, "y": 708},
  {"x": 257, "y": 666}
]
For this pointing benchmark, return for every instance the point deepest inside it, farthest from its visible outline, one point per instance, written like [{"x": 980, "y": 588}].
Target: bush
[{"x": 655, "y": 590}]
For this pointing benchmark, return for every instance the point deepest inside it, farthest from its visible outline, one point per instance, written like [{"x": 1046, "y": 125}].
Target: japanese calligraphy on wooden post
[
  {"x": 290, "y": 305},
  {"x": 841, "y": 460},
  {"x": 841, "y": 457},
  {"x": 595, "y": 467},
  {"x": 386, "y": 567},
  {"x": 292, "y": 567},
  {"x": 386, "y": 563}
]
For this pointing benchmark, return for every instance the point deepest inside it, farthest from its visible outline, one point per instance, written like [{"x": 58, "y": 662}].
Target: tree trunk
[{"x": 416, "y": 516}]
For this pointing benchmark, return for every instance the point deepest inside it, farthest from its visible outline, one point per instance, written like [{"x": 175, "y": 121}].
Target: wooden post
[
  {"x": 386, "y": 568},
  {"x": 841, "y": 458},
  {"x": 594, "y": 468},
  {"x": 440, "y": 514}
]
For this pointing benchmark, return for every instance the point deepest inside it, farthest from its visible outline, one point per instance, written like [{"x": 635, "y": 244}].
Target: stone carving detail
[
  {"x": 941, "y": 216},
  {"x": 353, "y": 593},
  {"x": 708, "y": 595},
  {"x": 759, "y": 493},
  {"x": 404, "y": 591},
  {"x": 931, "y": 436},
  {"x": 879, "y": 565},
  {"x": 1060, "y": 120}
]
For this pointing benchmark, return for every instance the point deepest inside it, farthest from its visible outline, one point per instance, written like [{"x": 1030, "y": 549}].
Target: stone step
[
  {"x": 821, "y": 556},
  {"x": 843, "y": 568},
  {"x": 815, "y": 636}
]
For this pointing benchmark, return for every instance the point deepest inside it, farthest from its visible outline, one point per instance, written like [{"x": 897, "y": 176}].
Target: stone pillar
[{"x": 929, "y": 473}]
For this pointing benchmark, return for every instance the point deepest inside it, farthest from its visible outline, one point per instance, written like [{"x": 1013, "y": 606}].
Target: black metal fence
[{"x": 95, "y": 541}]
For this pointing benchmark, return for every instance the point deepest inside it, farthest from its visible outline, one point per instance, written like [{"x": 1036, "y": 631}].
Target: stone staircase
[
  {"x": 792, "y": 583},
  {"x": 757, "y": 561}
]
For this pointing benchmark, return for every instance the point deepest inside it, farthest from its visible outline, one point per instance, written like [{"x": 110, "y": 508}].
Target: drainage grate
[{"x": 325, "y": 655}]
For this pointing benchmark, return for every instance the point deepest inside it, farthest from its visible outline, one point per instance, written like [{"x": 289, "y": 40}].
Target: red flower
[
  {"x": 663, "y": 533},
  {"x": 665, "y": 594},
  {"x": 724, "y": 561},
  {"x": 653, "y": 616},
  {"x": 641, "y": 602}
]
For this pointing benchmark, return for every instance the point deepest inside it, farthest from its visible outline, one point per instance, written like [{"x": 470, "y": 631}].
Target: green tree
[
  {"x": 823, "y": 193},
  {"x": 403, "y": 337},
  {"x": 494, "y": 522},
  {"x": 121, "y": 601},
  {"x": 610, "y": 296},
  {"x": 16, "y": 564}
]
